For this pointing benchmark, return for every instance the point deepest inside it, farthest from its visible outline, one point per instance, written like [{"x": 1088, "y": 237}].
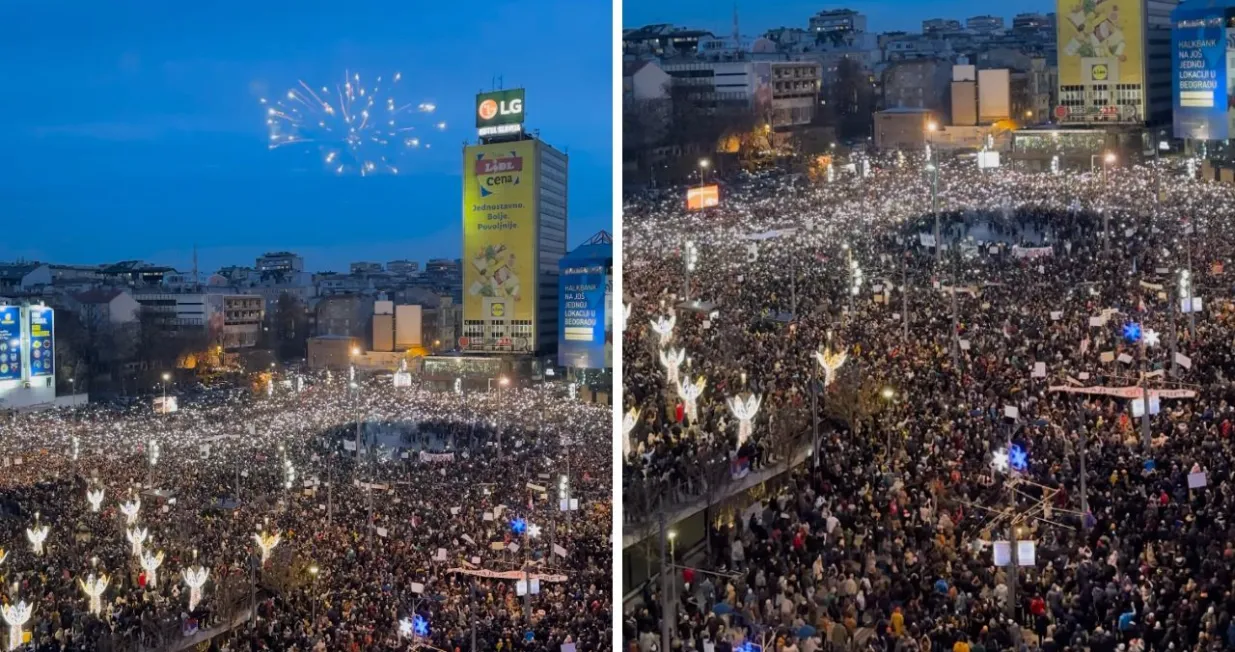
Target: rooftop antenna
[
  {"x": 195, "y": 266},
  {"x": 737, "y": 38}
]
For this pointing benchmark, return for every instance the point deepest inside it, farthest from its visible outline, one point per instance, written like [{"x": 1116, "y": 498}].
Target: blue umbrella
[
  {"x": 806, "y": 631},
  {"x": 722, "y": 608}
]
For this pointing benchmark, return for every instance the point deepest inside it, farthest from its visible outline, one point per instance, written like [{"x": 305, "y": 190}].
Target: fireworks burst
[{"x": 357, "y": 128}]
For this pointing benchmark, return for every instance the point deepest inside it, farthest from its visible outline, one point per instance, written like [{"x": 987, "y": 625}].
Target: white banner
[
  {"x": 507, "y": 575},
  {"x": 1125, "y": 392},
  {"x": 1031, "y": 252},
  {"x": 436, "y": 457},
  {"x": 1183, "y": 360}
]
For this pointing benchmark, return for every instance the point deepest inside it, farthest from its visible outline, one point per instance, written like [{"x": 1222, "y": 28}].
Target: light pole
[
  {"x": 1107, "y": 161},
  {"x": 502, "y": 381},
  {"x": 313, "y": 597},
  {"x": 166, "y": 377},
  {"x": 933, "y": 171},
  {"x": 930, "y": 138},
  {"x": 888, "y": 395},
  {"x": 690, "y": 254},
  {"x": 704, "y": 164}
]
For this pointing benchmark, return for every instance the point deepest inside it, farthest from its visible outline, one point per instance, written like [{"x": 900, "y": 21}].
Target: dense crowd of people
[
  {"x": 1016, "y": 336},
  {"x": 422, "y": 540}
]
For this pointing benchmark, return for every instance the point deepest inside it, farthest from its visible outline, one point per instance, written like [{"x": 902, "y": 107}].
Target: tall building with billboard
[
  {"x": 585, "y": 316},
  {"x": 27, "y": 356},
  {"x": 514, "y": 232},
  {"x": 1202, "y": 66},
  {"x": 1114, "y": 62}
]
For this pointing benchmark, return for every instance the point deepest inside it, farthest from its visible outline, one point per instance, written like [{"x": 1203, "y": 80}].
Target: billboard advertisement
[
  {"x": 702, "y": 197},
  {"x": 582, "y": 337},
  {"x": 10, "y": 343},
  {"x": 499, "y": 232},
  {"x": 1199, "y": 75},
  {"x": 42, "y": 341},
  {"x": 500, "y": 112},
  {"x": 1101, "y": 42}
]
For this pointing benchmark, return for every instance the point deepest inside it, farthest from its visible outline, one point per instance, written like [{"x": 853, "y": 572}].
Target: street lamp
[
  {"x": 313, "y": 571},
  {"x": 166, "y": 377},
  {"x": 704, "y": 164}
]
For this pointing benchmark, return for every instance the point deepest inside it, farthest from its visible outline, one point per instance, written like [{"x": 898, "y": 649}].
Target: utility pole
[
  {"x": 955, "y": 342},
  {"x": 472, "y": 613},
  {"x": 1084, "y": 488},
  {"x": 905, "y": 294},
  {"x": 1174, "y": 301},
  {"x": 1146, "y": 439},
  {"x": 814, "y": 414},
  {"x": 666, "y": 627},
  {"x": 933, "y": 170}
]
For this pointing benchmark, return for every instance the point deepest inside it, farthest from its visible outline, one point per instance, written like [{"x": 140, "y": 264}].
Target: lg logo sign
[{"x": 490, "y": 109}]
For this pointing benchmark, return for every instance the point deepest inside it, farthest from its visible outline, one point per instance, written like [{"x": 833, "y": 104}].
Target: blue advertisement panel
[
  {"x": 581, "y": 317},
  {"x": 42, "y": 341},
  {"x": 10, "y": 343},
  {"x": 1198, "y": 41}
]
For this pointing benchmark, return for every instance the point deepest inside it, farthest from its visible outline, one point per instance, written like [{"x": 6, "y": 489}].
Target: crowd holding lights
[
  {"x": 965, "y": 387},
  {"x": 142, "y": 529}
]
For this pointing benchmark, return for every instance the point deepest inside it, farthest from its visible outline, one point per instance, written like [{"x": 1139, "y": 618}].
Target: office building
[
  {"x": 514, "y": 232},
  {"x": 838, "y": 20}
]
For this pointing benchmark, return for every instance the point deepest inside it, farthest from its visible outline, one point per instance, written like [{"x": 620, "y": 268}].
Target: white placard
[
  {"x": 382, "y": 532},
  {"x": 441, "y": 555},
  {"x": 1096, "y": 321},
  {"x": 1125, "y": 358},
  {"x": 1039, "y": 370},
  {"x": 964, "y": 345},
  {"x": 418, "y": 588},
  {"x": 1197, "y": 479},
  {"x": 1107, "y": 356},
  {"x": 454, "y": 511},
  {"x": 1056, "y": 315},
  {"x": 1183, "y": 361},
  {"x": 513, "y": 547},
  {"x": 488, "y": 516},
  {"x": 1026, "y": 553},
  {"x": 1002, "y": 552},
  {"x": 467, "y": 539},
  {"x": 1084, "y": 375},
  {"x": 1011, "y": 412}
]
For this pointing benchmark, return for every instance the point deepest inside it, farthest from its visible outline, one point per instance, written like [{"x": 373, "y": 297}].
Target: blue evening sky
[
  {"x": 756, "y": 17},
  {"x": 132, "y": 130}
]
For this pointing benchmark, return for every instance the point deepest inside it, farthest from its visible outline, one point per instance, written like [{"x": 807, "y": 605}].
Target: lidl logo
[
  {"x": 1099, "y": 72},
  {"x": 497, "y": 310},
  {"x": 495, "y": 174}
]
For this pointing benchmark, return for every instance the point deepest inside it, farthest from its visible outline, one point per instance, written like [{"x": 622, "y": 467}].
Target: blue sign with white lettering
[
  {"x": 42, "y": 341},
  {"x": 582, "y": 335},
  {"x": 10, "y": 343},
  {"x": 1199, "y": 71}
]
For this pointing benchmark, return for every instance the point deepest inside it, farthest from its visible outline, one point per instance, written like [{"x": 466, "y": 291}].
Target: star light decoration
[
  {"x": 150, "y": 563},
  {"x": 1018, "y": 458},
  {"x": 628, "y": 426},
  {"x": 744, "y": 409},
  {"x": 95, "y": 498},
  {"x": 1132, "y": 331},
  {"x": 690, "y": 393},
  {"x": 518, "y": 526},
  {"x": 195, "y": 578},
  {"x": 137, "y": 536},
  {"x": 663, "y": 327},
  {"x": 1152, "y": 338},
  {"x": 533, "y": 531},
  {"x": 16, "y": 617},
  {"x": 831, "y": 362},
  {"x": 94, "y": 586},
  {"x": 130, "y": 510},
  {"x": 672, "y": 360},
  {"x": 999, "y": 460}
]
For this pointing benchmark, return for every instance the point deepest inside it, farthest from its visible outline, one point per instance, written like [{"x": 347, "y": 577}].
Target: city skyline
[
  {"x": 145, "y": 138},
  {"x": 755, "y": 19}
]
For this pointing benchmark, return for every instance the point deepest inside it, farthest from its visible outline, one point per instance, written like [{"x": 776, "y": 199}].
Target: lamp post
[
  {"x": 690, "y": 255},
  {"x": 888, "y": 394},
  {"x": 1107, "y": 161},
  {"x": 932, "y": 171},
  {"x": 313, "y": 570},
  {"x": 166, "y": 378},
  {"x": 502, "y": 381},
  {"x": 704, "y": 164}
]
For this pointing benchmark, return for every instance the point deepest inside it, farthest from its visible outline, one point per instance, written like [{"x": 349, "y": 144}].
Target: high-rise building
[
  {"x": 1114, "y": 62},
  {"x": 282, "y": 261},
  {"x": 1202, "y": 72},
  {"x": 984, "y": 24},
  {"x": 514, "y": 232},
  {"x": 838, "y": 20}
]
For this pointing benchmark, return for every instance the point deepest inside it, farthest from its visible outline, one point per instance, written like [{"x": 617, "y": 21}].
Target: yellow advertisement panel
[
  {"x": 1100, "y": 41},
  {"x": 499, "y": 231}
]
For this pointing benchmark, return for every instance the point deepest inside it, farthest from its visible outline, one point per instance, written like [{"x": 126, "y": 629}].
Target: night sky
[
  {"x": 754, "y": 18},
  {"x": 133, "y": 130}
]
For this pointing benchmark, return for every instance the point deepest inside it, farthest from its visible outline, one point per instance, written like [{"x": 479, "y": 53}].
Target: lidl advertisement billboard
[
  {"x": 42, "y": 341},
  {"x": 10, "y": 343},
  {"x": 499, "y": 232},
  {"x": 1101, "y": 42},
  {"x": 582, "y": 337},
  {"x": 701, "y": 197}
]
